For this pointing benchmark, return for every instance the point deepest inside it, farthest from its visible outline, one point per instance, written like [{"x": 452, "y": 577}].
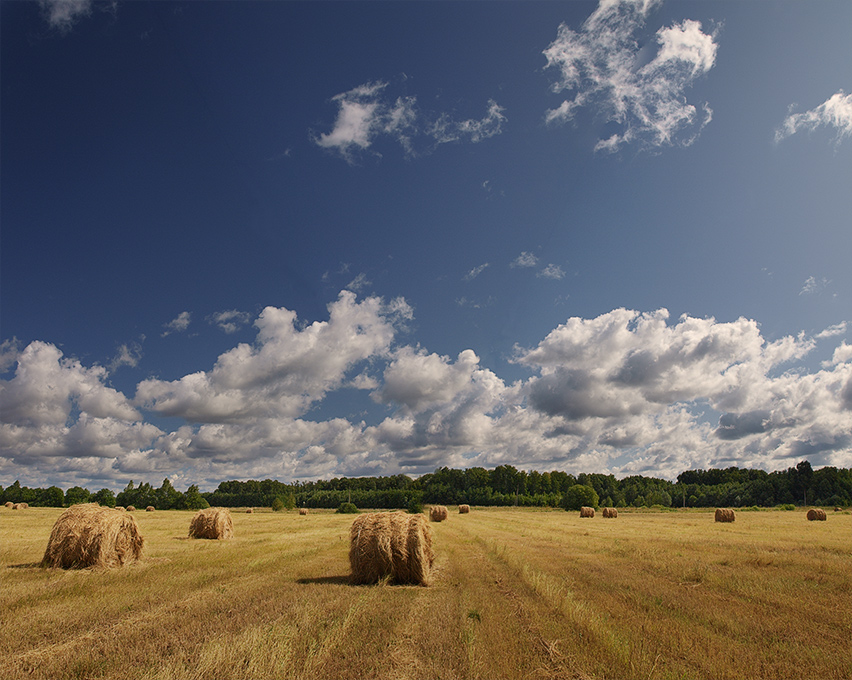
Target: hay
[
  {"x": 587, "y": 512},
  {"x": 816, "y": 514},
  {"x": 838, "y": 509},
  {"x": 392, "y": 545},
  {"x": 131, "y": 508},
  {"x": 9, "y": 504},
  {"x": 303, "y": 511},
  {"x": 120, "y": 508},
  {"x": 150, "y": 508},
  {"x": 438, "y": 513},
  {"x": 88, "y": 535},
  {"x": 250, "y": 511},
  {"x": 610, "y": 512},
  {"x": 725, "y": 515},
  {"x": 17, "y": 506},
  {"x": 212, "y": 523},
  {"x": 464, "y": 509}
]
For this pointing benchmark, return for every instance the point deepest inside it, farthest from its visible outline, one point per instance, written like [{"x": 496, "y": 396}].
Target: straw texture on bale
[
  {"x": 464, "y": 509},
  {"x": 9, "y": 504},
  {"x": 120, "y": 508},
  {"x": 438, "y": 513},
  {"x": 610, "y": 512},
  {"x": 212, "y": 523},
  {"x": 587, "y": 512},
  {"x": 816, "y": 514},
  {"x": 725, "y": 515},
  {"x": 392, "y": 545},
  {"x": 303, "y": 511},
  {"x": 131, "y": 508},
  {"x": 17, "y": 506},
  {"x": 88, "y": 535},
  {"x": 150, "y": 508}
]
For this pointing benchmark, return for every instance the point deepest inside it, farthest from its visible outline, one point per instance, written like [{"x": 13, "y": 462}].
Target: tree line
[{"x": 501, "y": 486}]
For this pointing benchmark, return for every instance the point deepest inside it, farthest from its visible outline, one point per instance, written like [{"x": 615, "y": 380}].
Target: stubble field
[{"x": 517, "y": 593}]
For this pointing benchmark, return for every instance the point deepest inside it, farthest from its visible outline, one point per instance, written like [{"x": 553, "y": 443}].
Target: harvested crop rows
[{"x": 515, "y": 593}]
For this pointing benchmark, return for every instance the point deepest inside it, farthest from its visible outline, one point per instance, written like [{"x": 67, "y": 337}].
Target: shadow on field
[
  {"x": 27, "y": 565},
  {"x": 338, "y": 580}
]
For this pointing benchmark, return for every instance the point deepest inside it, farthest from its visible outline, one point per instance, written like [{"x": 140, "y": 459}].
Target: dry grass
[
  {"x": 213, "y": 523},
  {"x": 515, "y": 593},
  {"x": 88, "y": 535}
]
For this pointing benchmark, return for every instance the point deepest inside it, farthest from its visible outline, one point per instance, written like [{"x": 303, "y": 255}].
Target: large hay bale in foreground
[
  {"x": 725, "y": 515},
  {"x": 438, "y": 513},
  {"x": 610, "y": 512},
  {"x": 214, "y": 523},
  {"x": 392, "y": 545},
  {"x": 464, "y": 509},
  {"x": 587, "y": 512},
  {"x": 303, "y": 511},
  {"x": 88, "y": 535},
  {"x": 816, "y": 514}
]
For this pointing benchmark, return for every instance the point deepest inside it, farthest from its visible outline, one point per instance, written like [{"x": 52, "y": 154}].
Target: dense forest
[{"x": 504, "y": 485}]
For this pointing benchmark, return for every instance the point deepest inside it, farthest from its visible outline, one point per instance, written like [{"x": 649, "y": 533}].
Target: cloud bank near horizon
[{"x": 625, "y": 392}]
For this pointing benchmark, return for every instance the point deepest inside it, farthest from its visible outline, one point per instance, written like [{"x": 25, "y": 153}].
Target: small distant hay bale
[
  {"x": 816, "y": 514},
  {"x": 131, "y": 508},
  {"x": 214, "y": 523},
  {"x": 120, "y": 508},
  {"x": 9, "y": 504},
  {"x": 250, "y": 511},
  {"x": 17, "y": 506},
  {"x": 303, "y": 511},
  {"x": 610, "y": 512},
  {"x": 391, "y": 545},
  {"x": 150, "y": 508},
  {"x": 838, "y": 509},
  {"x": 464, "y": 509},
  {"x": 725, "y": 515},
  {"x": 88, "y": 535},
  {"x": 587, "y": 512},
  {"x": 24, "y": 506},
  {"x": 438, "y": 513}
]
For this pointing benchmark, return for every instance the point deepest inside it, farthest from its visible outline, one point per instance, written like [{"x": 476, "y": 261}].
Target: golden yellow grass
[{"x": 516, "y": 593}]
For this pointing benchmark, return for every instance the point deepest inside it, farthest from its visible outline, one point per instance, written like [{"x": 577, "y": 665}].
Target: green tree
[
  {"x": 578, "y": 496},
  {"x": 52, "y": 497},
  {"x": 167, "y": 497},
  {"x": 278, "y": 504},
  {"x": 104, "y": 497},
  {"x": 77, "y": 494},
  {"x": 193, "y": 500}
]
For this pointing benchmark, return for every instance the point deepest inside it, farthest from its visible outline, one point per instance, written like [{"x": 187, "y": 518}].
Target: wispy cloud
[
  {"x": 813, "y": 285},
  {"x": 476, "y": 271},
  {"x": 359, "y": 283},
  {"x": 230, "y": 321},
  {"x": 177, "y": 325},
  {"x": 367, "y": 113},
  {"x": 606, "y": 68},
  {"x": 835, "y": 112},
  {"x": 551, "y": 271},
  {"x": 128, "y": 354},
  {"x": 525, "y": 259},
  {"x": 63, "y": 14}
]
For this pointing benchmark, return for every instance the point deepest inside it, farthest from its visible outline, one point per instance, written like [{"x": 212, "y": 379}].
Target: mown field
[{"x": 517, "y": 593}]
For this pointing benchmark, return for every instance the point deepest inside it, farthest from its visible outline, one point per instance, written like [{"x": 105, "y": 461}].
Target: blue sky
[{"x": 302, "y": 240}]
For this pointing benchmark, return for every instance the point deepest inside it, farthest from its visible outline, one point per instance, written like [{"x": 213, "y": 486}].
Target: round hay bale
[
  {"x": 17, "y": 506},
  {"x": 150, "y": 508},
  {"x": 303, "y": 511},
  {"x": 610, "y": 512},
  {"x": 816, "y": 514},
  {"x": 87, "y": 535},
  {"x": 438, "y": 513},
  {"x": 120, "y": 508},
  {"x": 250, "y": 511},
  {"x": 587, "y": 512},
  {"x": 838, "y": 509},
  {"x": 212, "y": 523},
  {"x": 24, "y": 506},
  {"x": 464, "y": 509},
  {"x": 392, "y": 545},
  {"x": 9, "y": 504},
  {"x": 725, "y": 515},
  {"x": 131, "y": 508}
]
